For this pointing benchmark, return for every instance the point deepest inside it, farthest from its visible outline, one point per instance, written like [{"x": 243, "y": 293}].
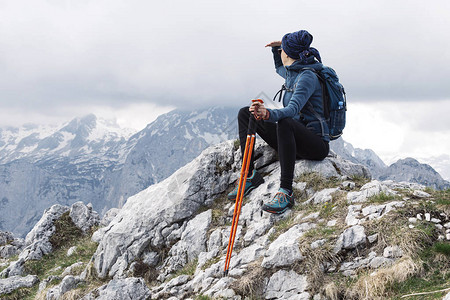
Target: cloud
[
  {"x": 397, "y": 130},
  {"x": 57, "y": 56}
]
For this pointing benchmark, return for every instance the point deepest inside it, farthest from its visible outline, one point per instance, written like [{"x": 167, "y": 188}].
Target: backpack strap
[
  {"x": 319, "y": 118},
  {"x": 280, "y": 92}
]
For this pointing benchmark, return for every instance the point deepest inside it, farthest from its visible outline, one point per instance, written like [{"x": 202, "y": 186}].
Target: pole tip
[{"x": 225, "y": 273}]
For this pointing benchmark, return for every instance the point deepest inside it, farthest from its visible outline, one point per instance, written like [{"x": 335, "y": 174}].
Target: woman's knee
[
  {"x": 244, "y": 114},
  {"x": 244, "y": 111}
]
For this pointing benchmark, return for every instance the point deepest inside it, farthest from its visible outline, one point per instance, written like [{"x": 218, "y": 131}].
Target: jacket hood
[{"x": 312, "y": 63}]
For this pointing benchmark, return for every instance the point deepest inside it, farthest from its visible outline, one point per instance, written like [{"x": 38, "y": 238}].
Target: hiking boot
[
  {"x": 251, "y": 183},
  {"x": 280, "y": 202}
]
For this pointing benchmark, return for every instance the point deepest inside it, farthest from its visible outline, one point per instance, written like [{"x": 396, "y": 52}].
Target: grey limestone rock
[
  {"x": 6, "y": 238},
  {"x": 369, "y": 189},
  {"x": 83, "y": 216},
  {"x": 109, "y": 216},
  {"x": 44, "y": 228},
  {"x": 322, "y": 196},
  {"x": 247, "y": 255},
  {"x": 131, "y": 288},
  {"x": 70, "y": 269},
  {"x": 351, "y": 238},
  {"x": 71, "y": 250},
  {"x": 15, "y": 268},
  {"x": 358, "y": 215},
  {"x": 353, "y": 215},
  {"x": 43, "y": 283},
  {"x": 284, "y": 251},
  {"x": 215, "y": 240},
  {"x": 331, "y": 167},
  {"x": 192, "y": 242},
  {"x": 68, "y": 283},
  {"x": 170, "y": 288},
  {"x": 8, "y": 251},
  {"x": 287, "y": 285},
  {"x": 220, "y": 288},
  {"x": 393, "y": 252},
  {"x": 13, "y": 283}
]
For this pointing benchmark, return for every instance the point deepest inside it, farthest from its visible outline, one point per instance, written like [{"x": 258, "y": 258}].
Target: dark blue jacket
[{"x": 302, "y": 100}]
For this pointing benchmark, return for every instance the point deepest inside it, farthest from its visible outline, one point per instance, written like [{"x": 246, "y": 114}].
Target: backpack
[{"x": 334, "y": 100}]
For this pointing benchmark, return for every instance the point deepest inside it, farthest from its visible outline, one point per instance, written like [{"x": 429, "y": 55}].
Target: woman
[{"x": 296, "y": 131}]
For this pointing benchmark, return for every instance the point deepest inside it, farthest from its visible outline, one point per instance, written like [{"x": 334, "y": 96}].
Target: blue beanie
[{"x": 297, "y": 45}]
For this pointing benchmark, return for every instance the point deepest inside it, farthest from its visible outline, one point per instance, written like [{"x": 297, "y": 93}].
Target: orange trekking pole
[{"x": 241, "y": 186}]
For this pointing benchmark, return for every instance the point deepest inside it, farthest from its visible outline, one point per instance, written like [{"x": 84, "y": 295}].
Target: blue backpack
[{"x": 334, "y": 100}]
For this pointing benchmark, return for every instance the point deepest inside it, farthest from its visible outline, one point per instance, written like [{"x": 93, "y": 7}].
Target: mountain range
[
  {"x": 93, "y": 160},
  {"x": 408, "y": 169},
  {"x": 96, "y": 161}
]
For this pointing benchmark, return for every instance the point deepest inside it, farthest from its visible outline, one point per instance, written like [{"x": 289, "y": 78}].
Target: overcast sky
[{"x": 133, "y": 60}]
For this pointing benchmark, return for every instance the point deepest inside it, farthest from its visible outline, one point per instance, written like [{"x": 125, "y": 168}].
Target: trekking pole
[{"x": 241, "y": 186}]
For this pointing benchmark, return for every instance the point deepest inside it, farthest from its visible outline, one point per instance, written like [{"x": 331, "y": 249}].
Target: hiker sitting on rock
[{"x": 296, "y": 131}]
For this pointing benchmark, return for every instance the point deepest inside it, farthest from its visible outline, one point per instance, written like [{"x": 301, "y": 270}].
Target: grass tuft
[
  {"x": 382, "y": 198},
  {"x": 46, "y": 266},
  {"x": 210, "y": 262},
  {"x": 252, "y": 283},
  {"x": 317, "y": 182},
  {"x": 442, "y": 247},
  {"x": 188, "y": 269},
  {"x": 377, "y": 284}
]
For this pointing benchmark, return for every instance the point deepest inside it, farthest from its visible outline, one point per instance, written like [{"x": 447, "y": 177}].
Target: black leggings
[{"x": 290, "y": 138}]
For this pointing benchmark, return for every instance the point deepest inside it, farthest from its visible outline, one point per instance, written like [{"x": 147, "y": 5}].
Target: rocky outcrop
[
  {"x": 13, "y": 283},
  {"x": 170, "y": 240},
  {"x": 408, "y": 169},
  {"x": 10, "y": 245},
  {"x": 148, "y": 218},
  {"x": 37, "y": 241}
]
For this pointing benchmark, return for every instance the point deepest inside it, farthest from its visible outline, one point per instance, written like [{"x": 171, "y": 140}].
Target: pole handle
[{"x": 252, "y": 122}]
